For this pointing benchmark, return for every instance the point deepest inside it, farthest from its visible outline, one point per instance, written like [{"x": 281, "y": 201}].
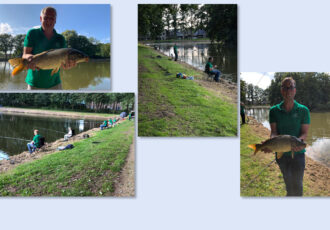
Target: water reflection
[
  {"x": 17, "y": 130},
  {"x": 320, "y": 151},
  {"x": 261, "y": 115},
  {"x": 85, "y": 76},
  {"x": 196, "y": 54},
  {"x": 318, "y": 134}
]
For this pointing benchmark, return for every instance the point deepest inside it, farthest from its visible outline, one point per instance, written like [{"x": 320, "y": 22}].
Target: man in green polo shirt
[
  {"x": 291, "y": 118},
  {"x": 39, "y": 40},
  {"x": 210, "y": 70},
  {"x": 35, "y": 143}
]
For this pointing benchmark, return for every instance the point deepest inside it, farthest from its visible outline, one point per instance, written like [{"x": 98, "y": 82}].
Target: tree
[
  {"x": 18, "y": 41},
  {"x": 6, "y": 44}
]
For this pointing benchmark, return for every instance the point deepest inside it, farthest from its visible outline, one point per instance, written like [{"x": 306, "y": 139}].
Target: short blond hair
[
  {"x": 43, "y": 11},
  {"x": 288, "y": 79}
]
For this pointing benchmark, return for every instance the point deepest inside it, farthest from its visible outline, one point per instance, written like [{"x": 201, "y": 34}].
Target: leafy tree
[
  {"x": 18, "y": 41},
  {"x": 6, "y": 44}
]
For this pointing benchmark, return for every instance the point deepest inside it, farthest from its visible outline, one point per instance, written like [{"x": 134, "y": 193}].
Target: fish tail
[
  {"x": 18, "y": 65},
  {"x": 254, "y": 147}
]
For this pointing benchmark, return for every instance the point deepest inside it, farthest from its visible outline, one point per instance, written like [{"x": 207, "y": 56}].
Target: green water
[
  {"x": 318, "y": 139},
  {"x": 21, "y": 128},
  {"x": 85, "y": 76}
]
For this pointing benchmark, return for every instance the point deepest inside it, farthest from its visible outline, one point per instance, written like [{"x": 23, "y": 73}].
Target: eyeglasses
[{"x": 288, "y": 88}]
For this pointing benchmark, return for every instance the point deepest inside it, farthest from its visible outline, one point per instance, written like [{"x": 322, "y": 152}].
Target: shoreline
[
  {"x": 227, "y": 90},
  {"x": 40, "y": 112},
  {"x": 48, "y": 148}
]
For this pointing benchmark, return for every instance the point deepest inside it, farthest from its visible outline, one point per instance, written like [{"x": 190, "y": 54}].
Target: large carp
[
  {"x": 50, "y": 59},
  {"x": 280, "y": 144}
]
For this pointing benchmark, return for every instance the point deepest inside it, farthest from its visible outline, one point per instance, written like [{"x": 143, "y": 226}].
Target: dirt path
[
  {"x": 317, "y": 176},
  {"x": 125, "y": 186}
]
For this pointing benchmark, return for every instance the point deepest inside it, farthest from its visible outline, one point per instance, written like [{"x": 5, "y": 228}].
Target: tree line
[
  {"x": 12, "y": 46},
  {"x": 219, "y": 21},
  {"x": 313, "y": 90},
  {"x": 88, "y": 102}
]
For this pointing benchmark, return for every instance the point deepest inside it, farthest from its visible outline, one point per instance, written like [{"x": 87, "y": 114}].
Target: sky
[
  {"x": 261, "y": 79},
  {"x": 85, "y": 19}
]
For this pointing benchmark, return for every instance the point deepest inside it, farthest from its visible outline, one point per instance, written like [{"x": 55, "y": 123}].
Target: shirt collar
[
  {"x": 42, "y": 30},
  {"x": 295, "y": 106}
]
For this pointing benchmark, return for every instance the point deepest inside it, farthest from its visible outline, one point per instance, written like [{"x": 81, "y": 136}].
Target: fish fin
[
  {"x": 55, "y": 71},
  {"x": 18, "y": 65},
  {"x": 15, "y": 61},
  {"x": 279, "y": 155},
  {"x": 42, "y": 53},
  {"x": 254, "y": 147}
]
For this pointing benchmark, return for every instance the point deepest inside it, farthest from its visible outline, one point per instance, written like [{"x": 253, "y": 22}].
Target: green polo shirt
[
  {"x": 36, "y": 140},
  {"x": 208, "y": 67},
  {"x": 105, "y": 123},
  {"x": 36, "y": 39},
  {"x": 175, "y": 49},
  {"x": 289, "y": 122}
]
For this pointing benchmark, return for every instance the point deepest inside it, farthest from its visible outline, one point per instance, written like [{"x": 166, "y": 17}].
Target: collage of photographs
[{"x": 66, "y": 133}]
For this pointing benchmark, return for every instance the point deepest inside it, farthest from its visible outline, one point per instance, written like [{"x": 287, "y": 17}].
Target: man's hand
[
  {"x": 68, "y": 64},
  {"x": 297, "y": 149},
  {"x": 31, "y": 65}
]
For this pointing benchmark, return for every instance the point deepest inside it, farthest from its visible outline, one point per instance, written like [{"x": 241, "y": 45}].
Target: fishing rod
[
  {"x": 51, "y": 130},
  {"x": 258, "y": 174},
  {"x": 14, "y": 138}
]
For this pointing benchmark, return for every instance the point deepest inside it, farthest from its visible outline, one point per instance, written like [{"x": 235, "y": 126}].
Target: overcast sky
[{"x": 261, "y": 79}]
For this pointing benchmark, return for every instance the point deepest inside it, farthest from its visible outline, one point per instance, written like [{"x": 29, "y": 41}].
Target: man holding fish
[
  {"x": 290, "y": 118},
  {"x": 45, "y": 53}
]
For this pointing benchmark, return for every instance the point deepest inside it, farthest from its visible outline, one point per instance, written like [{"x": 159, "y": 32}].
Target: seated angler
[
  {"x": 210, "y": 70},
  {"x": 104, "y": 125},
  {"x": 68, "y": 135},
  {"x": 35, "y": 143}
]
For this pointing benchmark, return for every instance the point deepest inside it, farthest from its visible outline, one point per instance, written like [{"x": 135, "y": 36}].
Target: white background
[{"x": 193, "y": 183}]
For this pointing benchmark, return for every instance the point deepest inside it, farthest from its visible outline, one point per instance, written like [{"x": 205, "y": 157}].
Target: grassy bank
[
  {"x": 270, "y": 182},
  {"x": 169, "y": 106},
  {"x": 89, "y": 169}
]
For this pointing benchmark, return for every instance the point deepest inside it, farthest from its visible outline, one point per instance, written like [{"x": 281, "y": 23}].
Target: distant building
[{"x": 200, "y": 34}]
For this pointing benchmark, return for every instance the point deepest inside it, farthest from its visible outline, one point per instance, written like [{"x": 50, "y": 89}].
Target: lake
[
  {"x": 197, "y": 54},
  {"x": 318, "y": 139},
  {"x": 93, "y": 75},
  {"x": 21, "y": 128}
]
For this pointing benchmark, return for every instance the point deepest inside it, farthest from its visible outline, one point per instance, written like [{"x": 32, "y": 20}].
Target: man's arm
[
  {"x": 27, "y": 54},
  {"x": 273, "y": 130},
  {"x": 304, "y": 131}
]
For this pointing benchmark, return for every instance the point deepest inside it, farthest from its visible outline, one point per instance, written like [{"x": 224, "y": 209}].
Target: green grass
[
  {"x": 169, "y": 106},
  {"x": 88, "y": 169},
  {"x": 270, "y": 182}
]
